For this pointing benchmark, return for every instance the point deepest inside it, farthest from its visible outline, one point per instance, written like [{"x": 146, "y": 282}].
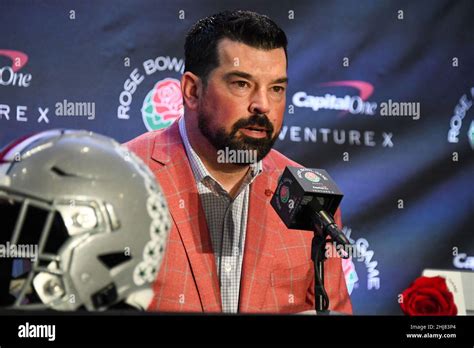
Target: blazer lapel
[{"x": 187, "y": 212}]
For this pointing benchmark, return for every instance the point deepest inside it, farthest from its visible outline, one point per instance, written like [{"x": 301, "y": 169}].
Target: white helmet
[{"x": 87, "y": 213}]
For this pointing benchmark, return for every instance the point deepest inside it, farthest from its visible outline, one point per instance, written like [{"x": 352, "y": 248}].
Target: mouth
[{"x": 255, "y": 131}]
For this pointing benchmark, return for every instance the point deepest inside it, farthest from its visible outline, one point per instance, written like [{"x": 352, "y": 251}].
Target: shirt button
[
  {"x": 236, "y": 251},
  {"x": 227, "y": 267}
]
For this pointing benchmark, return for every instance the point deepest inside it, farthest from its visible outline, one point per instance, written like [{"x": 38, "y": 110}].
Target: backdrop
[{"x": 380, "y": 95}]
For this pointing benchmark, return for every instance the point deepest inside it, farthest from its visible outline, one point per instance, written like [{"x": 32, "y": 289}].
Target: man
[{"x": 228, "y": 250}]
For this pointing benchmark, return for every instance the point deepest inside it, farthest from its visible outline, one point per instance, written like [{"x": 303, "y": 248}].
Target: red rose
[{"x": 428, "y": 296}]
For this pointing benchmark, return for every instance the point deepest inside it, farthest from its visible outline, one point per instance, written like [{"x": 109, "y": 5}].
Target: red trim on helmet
[{"x": 12, "y": 144}]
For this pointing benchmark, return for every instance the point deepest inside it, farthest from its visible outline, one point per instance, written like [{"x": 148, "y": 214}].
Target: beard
[{"x": 221, "y": 139}]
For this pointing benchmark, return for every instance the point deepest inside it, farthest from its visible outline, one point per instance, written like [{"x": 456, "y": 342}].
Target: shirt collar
[{"x": 199, "y": 169}]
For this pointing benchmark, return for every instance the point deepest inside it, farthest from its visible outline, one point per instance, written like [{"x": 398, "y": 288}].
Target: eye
[
  {"x": 241, "y": 84},
  {"x": 278, "y": 89}
]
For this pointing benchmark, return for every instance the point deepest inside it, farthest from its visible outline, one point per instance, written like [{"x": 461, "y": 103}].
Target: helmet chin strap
[{"x": 140, "y": 299}]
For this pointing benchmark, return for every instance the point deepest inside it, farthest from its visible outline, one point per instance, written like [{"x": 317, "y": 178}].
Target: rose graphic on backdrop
[
  {"x": 350, "y": 274},
  {"x": 428, "y": 296},
  {"x": 163, "y": 104}
]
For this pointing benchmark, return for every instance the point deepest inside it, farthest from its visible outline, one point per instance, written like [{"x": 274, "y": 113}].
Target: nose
[{"x": 259, "y": 103}]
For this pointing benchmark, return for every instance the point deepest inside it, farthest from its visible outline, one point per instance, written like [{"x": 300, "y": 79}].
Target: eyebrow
[{"x": 247, "y": 76}]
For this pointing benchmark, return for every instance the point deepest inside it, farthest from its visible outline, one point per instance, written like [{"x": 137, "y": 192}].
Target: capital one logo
[
  {"x": 10, "y": 75},
  {"x": 354, "y": 104}
]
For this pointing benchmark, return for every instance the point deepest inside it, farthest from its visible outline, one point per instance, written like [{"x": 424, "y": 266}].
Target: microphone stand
[
  {"x": 323, "y": 226},
  {"x": 321, "y": 299}
]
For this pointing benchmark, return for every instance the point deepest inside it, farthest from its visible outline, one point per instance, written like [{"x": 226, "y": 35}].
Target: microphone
[{"x": 307, "y": 199}]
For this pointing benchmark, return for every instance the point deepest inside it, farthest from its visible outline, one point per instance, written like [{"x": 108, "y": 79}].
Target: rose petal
[
  {"x": 426, "y": 305},
  {"x": 435, "y": 295},
  {"x": 417, "y": 305}
]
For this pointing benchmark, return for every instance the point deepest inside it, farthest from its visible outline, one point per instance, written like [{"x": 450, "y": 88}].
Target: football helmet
[{"x": 84, "y": 222}]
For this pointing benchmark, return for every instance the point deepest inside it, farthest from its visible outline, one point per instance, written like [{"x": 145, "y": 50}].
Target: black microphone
[{"x": 307, "y": 199}]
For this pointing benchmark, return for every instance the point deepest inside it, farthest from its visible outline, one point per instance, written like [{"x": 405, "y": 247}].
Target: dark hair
[{"x": 250, "y": 28}]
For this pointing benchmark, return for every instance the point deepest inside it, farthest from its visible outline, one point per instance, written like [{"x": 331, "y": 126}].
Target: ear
[{"x": 191, "y": 87}]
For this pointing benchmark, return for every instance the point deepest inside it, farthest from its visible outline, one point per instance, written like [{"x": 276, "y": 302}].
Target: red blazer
[{"x": 277, "y": 271}]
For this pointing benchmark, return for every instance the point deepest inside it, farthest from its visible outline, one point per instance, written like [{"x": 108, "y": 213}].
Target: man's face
[{"x": 243, "y": 104}]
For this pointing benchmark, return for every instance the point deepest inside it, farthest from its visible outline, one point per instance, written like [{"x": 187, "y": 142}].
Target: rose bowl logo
[
  {"x": 284, "y": 193},
  {"x": 350, "y": 274},
  {"x": 163, "y": 104},
  {"x": 311, "y": 176}
]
